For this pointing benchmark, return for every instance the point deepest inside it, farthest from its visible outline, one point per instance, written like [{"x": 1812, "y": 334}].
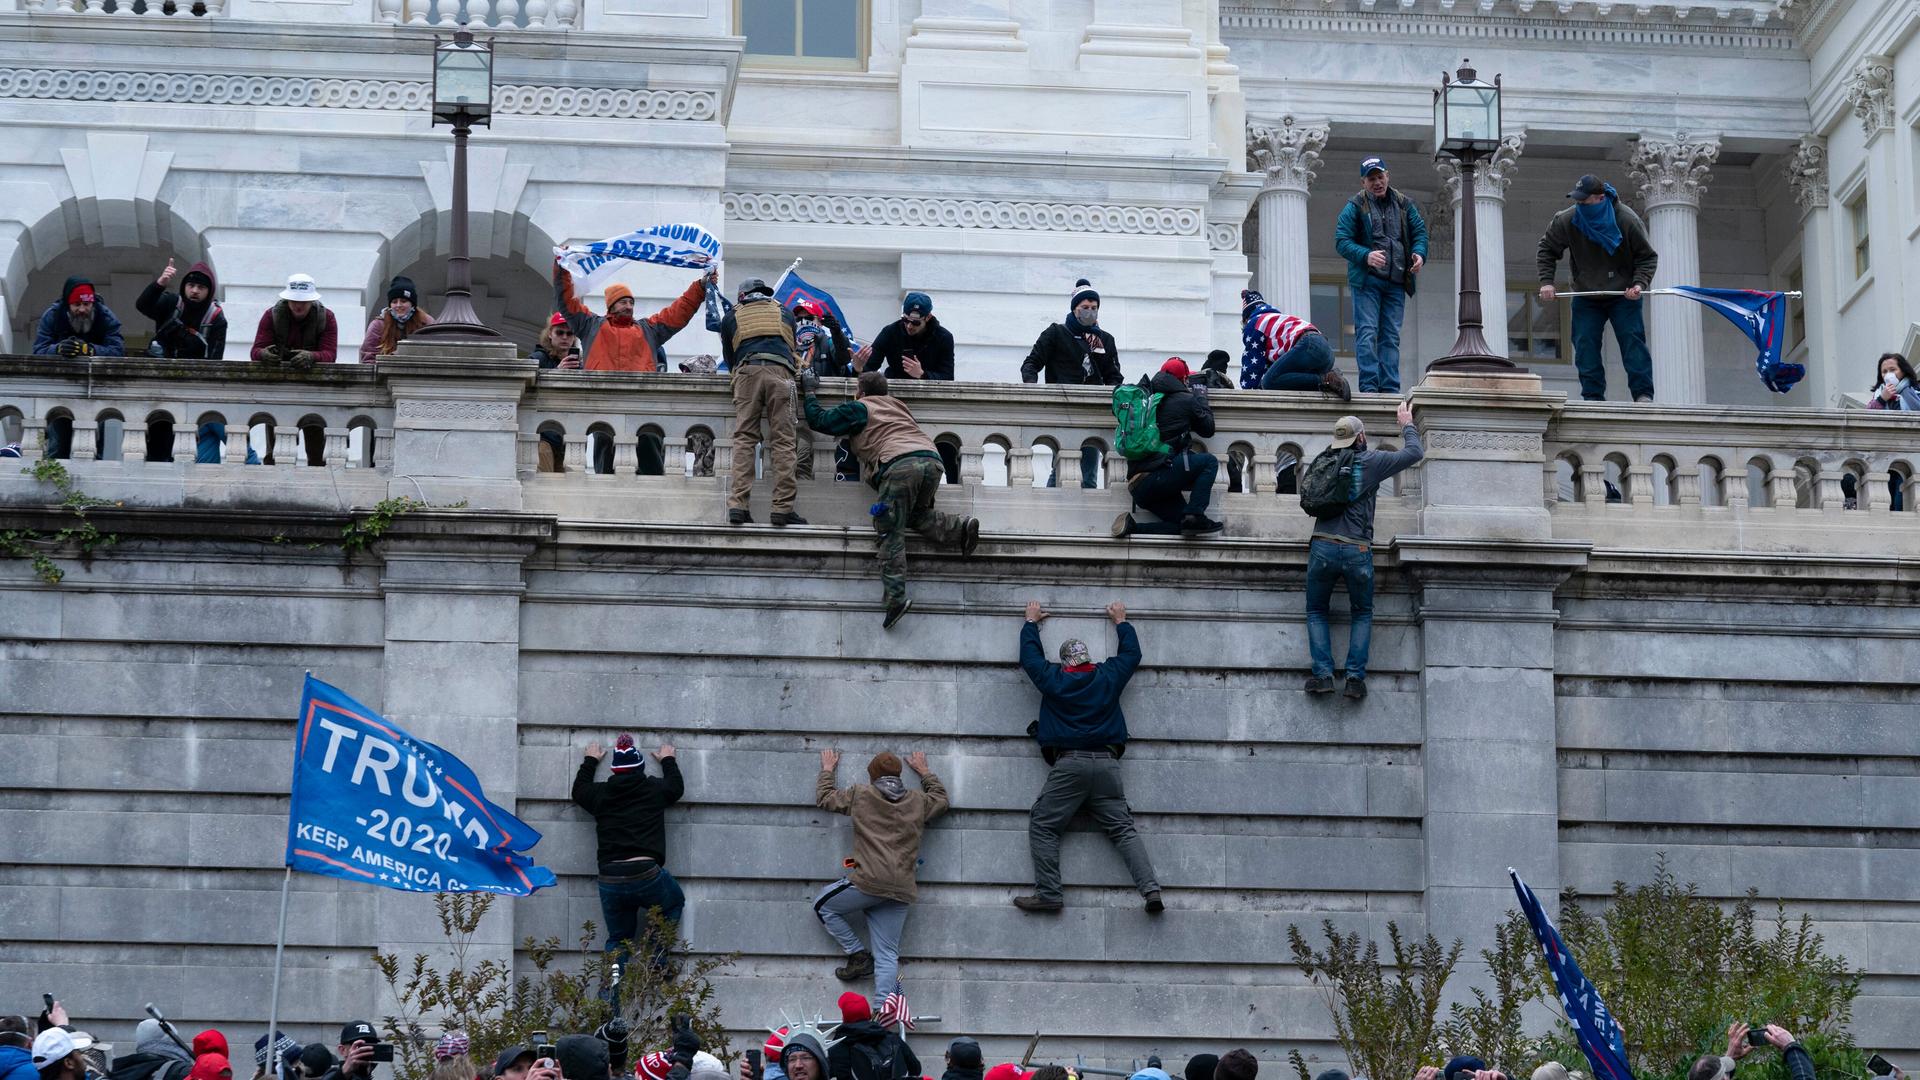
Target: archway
[
  {"x": 512, "y": 283},
  {"x": 57, "y": 247}
]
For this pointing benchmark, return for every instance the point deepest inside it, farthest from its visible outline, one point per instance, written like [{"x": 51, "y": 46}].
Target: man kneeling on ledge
[{"x": 1158, "y": 484}]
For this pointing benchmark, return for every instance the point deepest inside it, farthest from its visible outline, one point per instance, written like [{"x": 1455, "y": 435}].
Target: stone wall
[{"x": 1583, "y": 687}]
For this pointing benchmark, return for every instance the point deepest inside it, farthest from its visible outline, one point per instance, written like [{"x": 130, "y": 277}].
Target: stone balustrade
[
  {"x": 448, "y": 423},
  {"x": 126, "y": 9},
  {"x": 497, "y": 15}
]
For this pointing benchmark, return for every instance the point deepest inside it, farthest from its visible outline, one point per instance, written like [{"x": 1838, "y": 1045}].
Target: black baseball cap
[
  {"x": 1587, "y": 187},
  {"x": 357, "y": 1031},
  {"x": 964, "y": 1053},
  {"x": 511, "y": 1055}
]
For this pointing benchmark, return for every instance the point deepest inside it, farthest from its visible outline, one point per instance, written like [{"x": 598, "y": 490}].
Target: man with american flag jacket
[{"x": 1284, "y": 352}]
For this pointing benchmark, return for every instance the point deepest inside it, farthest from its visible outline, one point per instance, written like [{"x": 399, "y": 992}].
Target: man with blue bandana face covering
[{"x": 1608, "y": 246}]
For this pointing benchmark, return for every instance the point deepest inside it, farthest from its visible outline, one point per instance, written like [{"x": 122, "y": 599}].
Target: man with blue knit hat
[
  {"x": 629, "y": 821},
  {"x": 915, "y": 346},
  {"x": 1076, "y": 351},
  {"x": 1384, "y": 240},
  {"x": 1608, "y": 246}
]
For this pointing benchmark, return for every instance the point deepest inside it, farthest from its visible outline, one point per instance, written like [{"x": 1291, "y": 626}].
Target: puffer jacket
[{"x": 1183, "y": 413}]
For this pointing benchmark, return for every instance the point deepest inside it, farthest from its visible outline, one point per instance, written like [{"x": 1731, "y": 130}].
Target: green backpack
[{"x": 1136, "y": 433}]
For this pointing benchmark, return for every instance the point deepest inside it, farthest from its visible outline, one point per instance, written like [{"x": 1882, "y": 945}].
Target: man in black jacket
[
  {"x": 1076, "y": 351},
  {"x": 964, "y": 1061},
  {"x": 1158, "y": 483},
  {"x": 863, "y": 1050},
  {"x": 914, "y": 347},
  {"x": 629, "y": 821}
]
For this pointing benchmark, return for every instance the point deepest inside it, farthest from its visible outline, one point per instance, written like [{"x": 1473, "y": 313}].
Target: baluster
[
  {"x": 1640, "y": 485},
  {"x": 1874, "y": 496},
  {"x": 96, "y": 7},
  {"x": 287, "y": 449},
  {"x": 1686, "y": 483},
  {"x": 576, "y": 454},
  {"x": 626, "y": 455},
  {"x": 1733, "y": 490},
  {"x": 973, "y": 464},
  {"x": 133, "y": 444},
  {"x": 526, "y": 454},
  {"x": 238, "y": 445},
  {"x": 673, "y": 456},
  {"x": 1020, "y": 467},
  {"x": 566, "y": 14},
  {"x": 390, "y": 12},
  {"x": 418, "y": 11},
  {"x": 723, "y": 458},
  {"x": 1116, "y": 469},
  {"x": 1593, "y": 484},
  {"x": 33, "y": 438},
  {"x": 383, "y": 448},
  {"x": 1259, "y": 477},
  {"x": 86, "y": 442},
  {"x": 537, "y": 14},
  {"x": 823, "y": 462},
  {"x": 186, "y": 443},
  {"x": 1827, "y": 493},
  {"x": 215, "y": 7},
  {"x": 1782, "y": 484},
  {"x": 335, "y": 450}
]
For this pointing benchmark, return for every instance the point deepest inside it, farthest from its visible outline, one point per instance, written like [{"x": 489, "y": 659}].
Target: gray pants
[
  {"x": 1094, "y": 782},
  {"x": 885, "y": 920}
]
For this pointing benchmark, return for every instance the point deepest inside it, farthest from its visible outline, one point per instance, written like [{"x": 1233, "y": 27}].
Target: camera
[
  {"x": 541, "y": 1047},
  {"x": 383, "y": 1052},
  {"x": 1757, "y": 1035}
]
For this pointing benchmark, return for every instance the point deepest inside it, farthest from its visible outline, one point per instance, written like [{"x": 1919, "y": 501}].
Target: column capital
[
  {"x": 1491, "y": 178},
  {"x": 1287, "y": 154},
  {"x": 1870, "y": 92},
  {"x": 1807, "y": 173},
  {"x": 1672, "y": 171}
]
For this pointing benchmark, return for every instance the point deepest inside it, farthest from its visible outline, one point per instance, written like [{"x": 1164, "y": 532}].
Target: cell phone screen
[{"x": 1880, "y": 1066}]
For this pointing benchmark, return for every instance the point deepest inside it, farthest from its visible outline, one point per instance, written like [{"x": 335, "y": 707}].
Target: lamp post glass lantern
[
  {"x": 1466, "y": 128},
  {"x": 462, "y": 97}
]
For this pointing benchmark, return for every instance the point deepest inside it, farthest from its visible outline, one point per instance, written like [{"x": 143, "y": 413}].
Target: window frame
[
  {"x": 1530, "y": 301},
  {"x": 862, "y": 37},
  {"x": 1859, "y": 233},
  {"x": 1342, "y": 345}
]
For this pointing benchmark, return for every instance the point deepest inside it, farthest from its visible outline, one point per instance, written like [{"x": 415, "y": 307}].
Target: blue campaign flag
[
  {"x": 792, "y": 286},
  {"x": 372, "y": 803},
  {"x": 1762, "y": 316},
  {"x": 1593, "y": 1026}
]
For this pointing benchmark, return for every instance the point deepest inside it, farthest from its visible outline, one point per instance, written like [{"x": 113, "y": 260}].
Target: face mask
[{"x": 1087, "y": 319}]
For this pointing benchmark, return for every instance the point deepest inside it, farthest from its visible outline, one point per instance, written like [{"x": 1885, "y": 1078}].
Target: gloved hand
[
  {"x": 300, "y": 360},
  {"x": 74, "y": 347},
  {"x": 271, "y": 356},
  {"x": 686, "y": 1042},
  {"x": 809, "y": 382}
]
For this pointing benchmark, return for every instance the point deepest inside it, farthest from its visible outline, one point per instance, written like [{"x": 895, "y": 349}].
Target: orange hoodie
[{"x": 626, "y": 344}]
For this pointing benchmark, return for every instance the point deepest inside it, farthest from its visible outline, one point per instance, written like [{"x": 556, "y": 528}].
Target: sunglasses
[{"x": 913, "y": 320}]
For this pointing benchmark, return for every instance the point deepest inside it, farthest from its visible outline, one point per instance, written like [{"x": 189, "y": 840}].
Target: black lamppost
[
  {"x": 1466, "y": 128},
  {"x": 462, "y": 97}
]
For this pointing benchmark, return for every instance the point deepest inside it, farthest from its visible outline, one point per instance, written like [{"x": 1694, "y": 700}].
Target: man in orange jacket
[{"x": 617, "y": 341}]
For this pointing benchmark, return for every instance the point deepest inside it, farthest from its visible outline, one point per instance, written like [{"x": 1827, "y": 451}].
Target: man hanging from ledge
[{"x": 898, "y": 459}]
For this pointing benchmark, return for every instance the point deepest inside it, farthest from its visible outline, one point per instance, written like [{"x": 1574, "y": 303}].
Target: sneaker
[
  {"x": 1035, "y": 904},
  {"x": 895, "y": 613},
  {"x": 1200, "y": 525},
  {"x": 1154, "y": 906},
  {"x": 11, "y": 450},
  {"x": 970, "y": 536},
  {"x": 858, "y": 966},
  {"x": 739, "y": 517},
  {"x": 1318, "y": 684},
  {"x": 1333, "y": 384},
  {"x": 1356, "y": 689},
  {"x": 1123, "y": 525},
  {"x": 1644, "y": 399},
  {"x": 789, "y": 518}
]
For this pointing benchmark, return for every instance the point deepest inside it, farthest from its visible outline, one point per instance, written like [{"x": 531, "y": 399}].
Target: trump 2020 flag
[
  {"x": 688, "y": 246},
  {"x": 372, "y": 803},
  {"x": 1761, "y": 316},
  {"x": 1593, "y": 1025},
  {"x": 792, "y": 287}
]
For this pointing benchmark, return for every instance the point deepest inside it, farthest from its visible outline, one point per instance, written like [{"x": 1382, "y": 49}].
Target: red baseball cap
[{"x": 1176, "y": 367}]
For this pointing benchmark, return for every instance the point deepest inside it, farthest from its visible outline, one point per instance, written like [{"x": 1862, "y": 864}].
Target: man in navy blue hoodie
[{"x": 1082, "y": 734}]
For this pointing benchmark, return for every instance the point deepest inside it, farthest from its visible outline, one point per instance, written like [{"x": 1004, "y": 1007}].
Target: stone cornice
[
  {"x": 1501, "y": 20},
  {"x": 896, "y": 211},
  {"x": 745, "y": 154},
  {"x": 385, "y": 95}
]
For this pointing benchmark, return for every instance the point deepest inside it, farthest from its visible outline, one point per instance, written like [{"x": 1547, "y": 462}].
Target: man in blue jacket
[
  {"x": 1082, "y": 734},
  {"x": 1384, "y": 240},
  {"x": 16, "y": 1046}
]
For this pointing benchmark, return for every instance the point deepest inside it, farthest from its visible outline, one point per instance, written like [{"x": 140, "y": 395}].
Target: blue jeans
[
  {"x": 1377, "y": 307},
  {"x": 1326, "y": 563},
  {"x": 1160, "y": 491},
  {"x": 1590, "y": 317},
  {"x": 1300, "y": 367},
  {"x": 624, "y": 903}
]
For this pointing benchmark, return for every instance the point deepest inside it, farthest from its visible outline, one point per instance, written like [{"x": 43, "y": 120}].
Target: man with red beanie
[
  {"x": 1158, "y": 483},
  {"x": 78, "y": 324},
  {"x": 629, "y": 819},
  {"x": 888, "y": 822},
  {"x": 617, "y": 341},
  {"x": 865, "y": 1050}
]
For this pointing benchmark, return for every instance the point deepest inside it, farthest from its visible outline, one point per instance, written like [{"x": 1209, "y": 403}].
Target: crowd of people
[{"x": 862, "y": 1045}]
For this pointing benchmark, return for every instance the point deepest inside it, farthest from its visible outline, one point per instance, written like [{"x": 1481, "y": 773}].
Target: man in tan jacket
[
  {"x": 902, "y": 463},
  {"x": 888, "y": 820}
]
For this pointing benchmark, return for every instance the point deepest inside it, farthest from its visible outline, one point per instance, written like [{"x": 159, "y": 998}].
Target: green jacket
[
  {"x": 1632, "y": 263},
  {"x": 1353, "y": 237}
]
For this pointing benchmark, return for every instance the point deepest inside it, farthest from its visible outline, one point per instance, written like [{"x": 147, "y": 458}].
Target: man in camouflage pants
[{"x": 899, "y": 460}]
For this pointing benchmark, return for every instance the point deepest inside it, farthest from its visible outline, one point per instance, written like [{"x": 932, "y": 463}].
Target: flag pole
[
  {"x": 1643, "y": 292},
  {"x": 782, "y": 280},
  {"x": 279, "y": 950}
]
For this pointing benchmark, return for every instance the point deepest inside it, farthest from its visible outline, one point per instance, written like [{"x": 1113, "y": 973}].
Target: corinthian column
[
  {"x": 1490, "y": 182},
  {"x": 1673, "y": 176},
  {"x": 1287, "y": 155}
]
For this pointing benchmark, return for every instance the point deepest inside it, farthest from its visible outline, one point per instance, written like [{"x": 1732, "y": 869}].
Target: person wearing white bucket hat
[{"x": 299, "y": 331}]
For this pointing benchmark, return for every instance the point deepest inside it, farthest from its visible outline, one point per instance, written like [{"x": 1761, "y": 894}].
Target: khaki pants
[{"x": 763, "y": 393}]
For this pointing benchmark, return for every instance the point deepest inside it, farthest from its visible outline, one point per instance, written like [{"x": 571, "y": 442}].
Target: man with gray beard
[{"x": 78, "y": 324}]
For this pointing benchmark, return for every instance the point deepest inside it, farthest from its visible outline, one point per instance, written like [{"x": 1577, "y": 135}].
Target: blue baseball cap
[{"x": 1371, "y": 164}]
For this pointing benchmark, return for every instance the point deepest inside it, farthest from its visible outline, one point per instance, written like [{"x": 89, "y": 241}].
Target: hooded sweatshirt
[
  {"x": 865, "y": 1039},
  {"x": 103, "y": 335},
  {"x": 624, "y": 343},
  {"x": 16, "y": 1063},
  {"x": 888, "y": 820},
  {"x": 210, "y": 1042},
  {"x": 185, "y": 330},
  {"x": 802, "y": 1043}
]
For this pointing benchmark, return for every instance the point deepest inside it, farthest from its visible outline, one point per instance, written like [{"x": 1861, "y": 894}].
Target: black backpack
[
  {"x": 1331, "y": 483},
  {"x": 877, "y": 1060}
]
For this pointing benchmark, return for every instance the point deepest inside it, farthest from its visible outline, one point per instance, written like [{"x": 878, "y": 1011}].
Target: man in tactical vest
[{"x": 756, "y": 339}]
